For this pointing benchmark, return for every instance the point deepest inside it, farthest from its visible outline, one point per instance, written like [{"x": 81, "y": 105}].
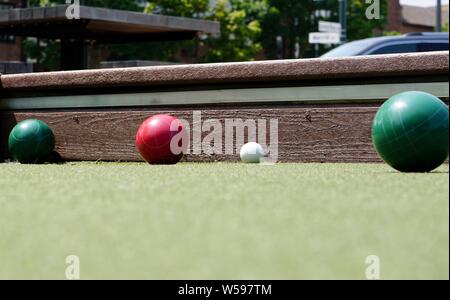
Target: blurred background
[{"x": 249, "y": 30}]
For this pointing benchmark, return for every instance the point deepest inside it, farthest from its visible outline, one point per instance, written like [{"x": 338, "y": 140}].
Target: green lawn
[{"x": 222, "y": 221}]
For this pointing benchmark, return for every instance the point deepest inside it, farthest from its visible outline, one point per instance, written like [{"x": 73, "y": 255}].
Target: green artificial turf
[{"x": 222, "y": 221}]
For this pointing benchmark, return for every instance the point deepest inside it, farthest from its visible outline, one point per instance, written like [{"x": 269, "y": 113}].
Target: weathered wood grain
[
  {"x": 307, "y": 133},
  {"x": 358, "y": 69}
]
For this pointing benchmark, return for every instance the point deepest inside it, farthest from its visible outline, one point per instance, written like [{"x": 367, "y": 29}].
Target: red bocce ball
[{"x": 154, "y": 137}]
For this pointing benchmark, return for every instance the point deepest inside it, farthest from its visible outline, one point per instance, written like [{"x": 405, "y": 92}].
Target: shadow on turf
[
  {"x": 432, "y": 172},
  {"x": 55, "y": 158}
]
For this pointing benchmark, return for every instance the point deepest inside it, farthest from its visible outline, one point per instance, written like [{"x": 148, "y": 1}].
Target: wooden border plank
[
  {"x": 318, "y": 70},
  {"x": 308, "y": 133}
]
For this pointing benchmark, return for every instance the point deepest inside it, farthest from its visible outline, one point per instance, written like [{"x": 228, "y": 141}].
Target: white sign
[
  {"x": 330, "y": 27},
  {"x": 324, "y": 38}
]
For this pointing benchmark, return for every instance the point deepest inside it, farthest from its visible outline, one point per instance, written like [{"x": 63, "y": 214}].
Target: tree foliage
[
  {"x": 299, "y": 18},
  {"x": 249, "y": 29},
  {"x": 240, "y": 30},
  {"x": 180, "y": 8},
  {"x": 132, "y": 5}
]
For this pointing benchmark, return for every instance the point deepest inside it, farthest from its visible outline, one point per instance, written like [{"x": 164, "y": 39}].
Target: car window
[
  {"x": 427, "y": 47},
  {"x": 349, "y": 49},
  {"x": 398, "y": 48}
]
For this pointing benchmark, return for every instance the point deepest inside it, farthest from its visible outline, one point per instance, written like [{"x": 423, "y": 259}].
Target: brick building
[
  {"x": 10, "y": 47},
  {"x": 404, "y": 18}
]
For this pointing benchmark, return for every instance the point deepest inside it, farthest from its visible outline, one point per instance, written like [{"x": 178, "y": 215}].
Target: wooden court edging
[
  {"x": 358, "y": 69},
  {"x": 322, "y": 116},
  {"x": 313, "y": 133}
]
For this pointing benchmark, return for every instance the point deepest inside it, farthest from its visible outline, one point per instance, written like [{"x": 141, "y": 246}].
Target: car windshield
[{"x": 349, "y": 49}]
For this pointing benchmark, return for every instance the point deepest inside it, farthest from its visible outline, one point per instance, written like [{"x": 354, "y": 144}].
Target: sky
[{"x": 422, "y": 2}]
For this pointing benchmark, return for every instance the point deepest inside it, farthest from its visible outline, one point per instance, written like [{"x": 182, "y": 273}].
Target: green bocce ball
[
  {"x": 31, "y": 141},
  {"x": 410, "y": 132}
]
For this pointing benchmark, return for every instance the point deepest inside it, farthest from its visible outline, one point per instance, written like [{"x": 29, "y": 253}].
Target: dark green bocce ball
[
  {"x": 31, "y": 141},
  {"x": 410, "y": 132}
]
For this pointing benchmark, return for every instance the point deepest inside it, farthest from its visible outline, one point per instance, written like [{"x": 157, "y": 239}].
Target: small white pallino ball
[{"x": 252, "y": 152}]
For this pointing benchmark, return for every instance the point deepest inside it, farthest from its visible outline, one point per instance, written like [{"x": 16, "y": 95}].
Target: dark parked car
[{"x": 409, "y": 43}]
